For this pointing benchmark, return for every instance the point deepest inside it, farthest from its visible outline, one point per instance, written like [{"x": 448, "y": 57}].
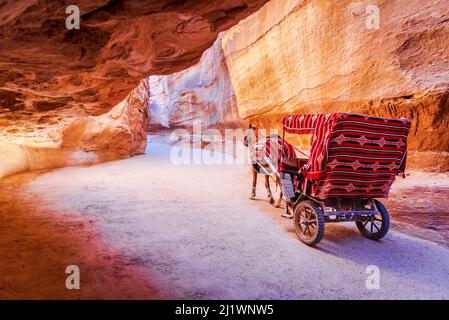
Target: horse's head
[{"x": 250, "y": 136}]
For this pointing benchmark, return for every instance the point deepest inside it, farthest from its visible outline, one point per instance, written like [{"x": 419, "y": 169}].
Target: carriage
[{"x": 353, "y": 161}]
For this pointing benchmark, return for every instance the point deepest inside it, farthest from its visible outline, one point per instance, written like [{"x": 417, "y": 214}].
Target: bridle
[{"x": 251, "y": 137}]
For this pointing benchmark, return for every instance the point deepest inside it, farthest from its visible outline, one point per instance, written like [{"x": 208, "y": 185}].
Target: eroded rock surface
[
  {"x": 200, "y": 93},
  {"x": 44, "y": 66},
  {"x": 61, "y": 89},
  {"x": 297, "y": 56},
  {"x": 292, "y": 56},
  {"x": 119, "y": 133}
]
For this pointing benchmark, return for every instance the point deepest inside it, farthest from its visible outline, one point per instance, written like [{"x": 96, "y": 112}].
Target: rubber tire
[
  {"x": 383, "y": 229},
  {"x": 320, "y": 222}
]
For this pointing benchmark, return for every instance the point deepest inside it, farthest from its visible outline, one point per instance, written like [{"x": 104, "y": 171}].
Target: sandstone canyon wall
[
  {"x": 61, "y": 89},
  {"x": 202, "y": 92},
  {"x": 119, "y": 133},
  {"x": 45, "y": 66},
  {"x": 317, "y": 56}
]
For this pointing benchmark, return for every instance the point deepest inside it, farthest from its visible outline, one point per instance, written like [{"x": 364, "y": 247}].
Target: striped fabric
[
  {"x": 274, "y": 148},
  {"x": 352, "y": 155}
]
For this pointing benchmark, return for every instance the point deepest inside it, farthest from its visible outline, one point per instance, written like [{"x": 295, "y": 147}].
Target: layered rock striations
[
  {"x": 200, "y": 93},
  {"x": 62, "y": 89},
  {"x": 44, "y": 66},
  {"x": 119, "y": 133},
  {"x": 317, "y": 56}
]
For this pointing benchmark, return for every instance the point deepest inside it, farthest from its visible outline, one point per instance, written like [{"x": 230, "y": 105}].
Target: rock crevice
[{"x": 201, "y": 93}]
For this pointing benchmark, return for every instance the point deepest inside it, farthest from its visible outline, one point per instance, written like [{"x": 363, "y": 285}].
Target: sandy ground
[
  {"x": 420, "y": 207},
  {"x": 37, "y": 244},
  {"x": 143, "y": 227}
]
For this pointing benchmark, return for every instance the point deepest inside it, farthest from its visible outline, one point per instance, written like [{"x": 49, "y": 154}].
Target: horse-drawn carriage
[{"x": 353, "y": 160}]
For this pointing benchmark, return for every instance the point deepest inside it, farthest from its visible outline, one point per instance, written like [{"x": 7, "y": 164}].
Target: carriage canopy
[{"x": 352, "y": 154}]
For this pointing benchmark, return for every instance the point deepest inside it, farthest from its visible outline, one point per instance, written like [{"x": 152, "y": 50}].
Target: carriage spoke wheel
[
  {"x": 376, "y": 226},
  {"x": 309, "y": 222}
]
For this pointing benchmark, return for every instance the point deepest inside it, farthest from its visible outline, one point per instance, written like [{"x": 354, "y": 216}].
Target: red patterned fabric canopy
[
  {"x": 352, "y": 154},
  {"x": 274, "y": 148}
]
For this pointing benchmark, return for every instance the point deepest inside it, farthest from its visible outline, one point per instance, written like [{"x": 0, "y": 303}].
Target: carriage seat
[{"x": 292, "y": 165}]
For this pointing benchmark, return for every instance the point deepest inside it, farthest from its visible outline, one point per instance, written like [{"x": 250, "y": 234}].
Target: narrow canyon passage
[{"x": 144, "y": 227}]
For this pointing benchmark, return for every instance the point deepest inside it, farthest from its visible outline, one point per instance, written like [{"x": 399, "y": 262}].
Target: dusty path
[
  {"x": 191, "y": 232},
  {"x": 37, "y": 244}
]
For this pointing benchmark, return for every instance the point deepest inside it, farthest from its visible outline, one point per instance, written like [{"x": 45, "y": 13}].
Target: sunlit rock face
[
  {"x": 296, "y": 56},
  {"x": 201, "y": 93},
  {"x": 44, "y": 66},
  {"x": 119, "y": 133},
  {"x": 57, "y": 83}
]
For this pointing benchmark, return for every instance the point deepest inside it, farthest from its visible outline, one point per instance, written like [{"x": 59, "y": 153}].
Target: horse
[{"x": 274, "y": 147}]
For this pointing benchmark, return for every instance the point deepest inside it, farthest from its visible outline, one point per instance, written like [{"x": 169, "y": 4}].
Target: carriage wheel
[
  {"x": 309, "y": 222},
  {"x": 375, "y": 227}
]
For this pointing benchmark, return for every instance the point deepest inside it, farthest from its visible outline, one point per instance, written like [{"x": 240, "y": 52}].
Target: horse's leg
[
  {"x": 278, "y": 203},
  {"x": 267, "y": 186},
  {"x": 253, "y": 190}
]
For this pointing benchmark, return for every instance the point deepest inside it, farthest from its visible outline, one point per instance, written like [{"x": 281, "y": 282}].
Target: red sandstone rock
[
  {"x": 295, "y": 56},
  {"x": 292, "y": 56},
  {"x": 119, "y": 133},
  {"x": 44, "y": 66},
  {"x": 60, "y": 89},
  {"x": 202, "y": 92}
]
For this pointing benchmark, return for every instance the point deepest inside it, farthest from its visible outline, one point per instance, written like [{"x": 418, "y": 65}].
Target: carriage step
[{"x": 287, "y": 186}]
